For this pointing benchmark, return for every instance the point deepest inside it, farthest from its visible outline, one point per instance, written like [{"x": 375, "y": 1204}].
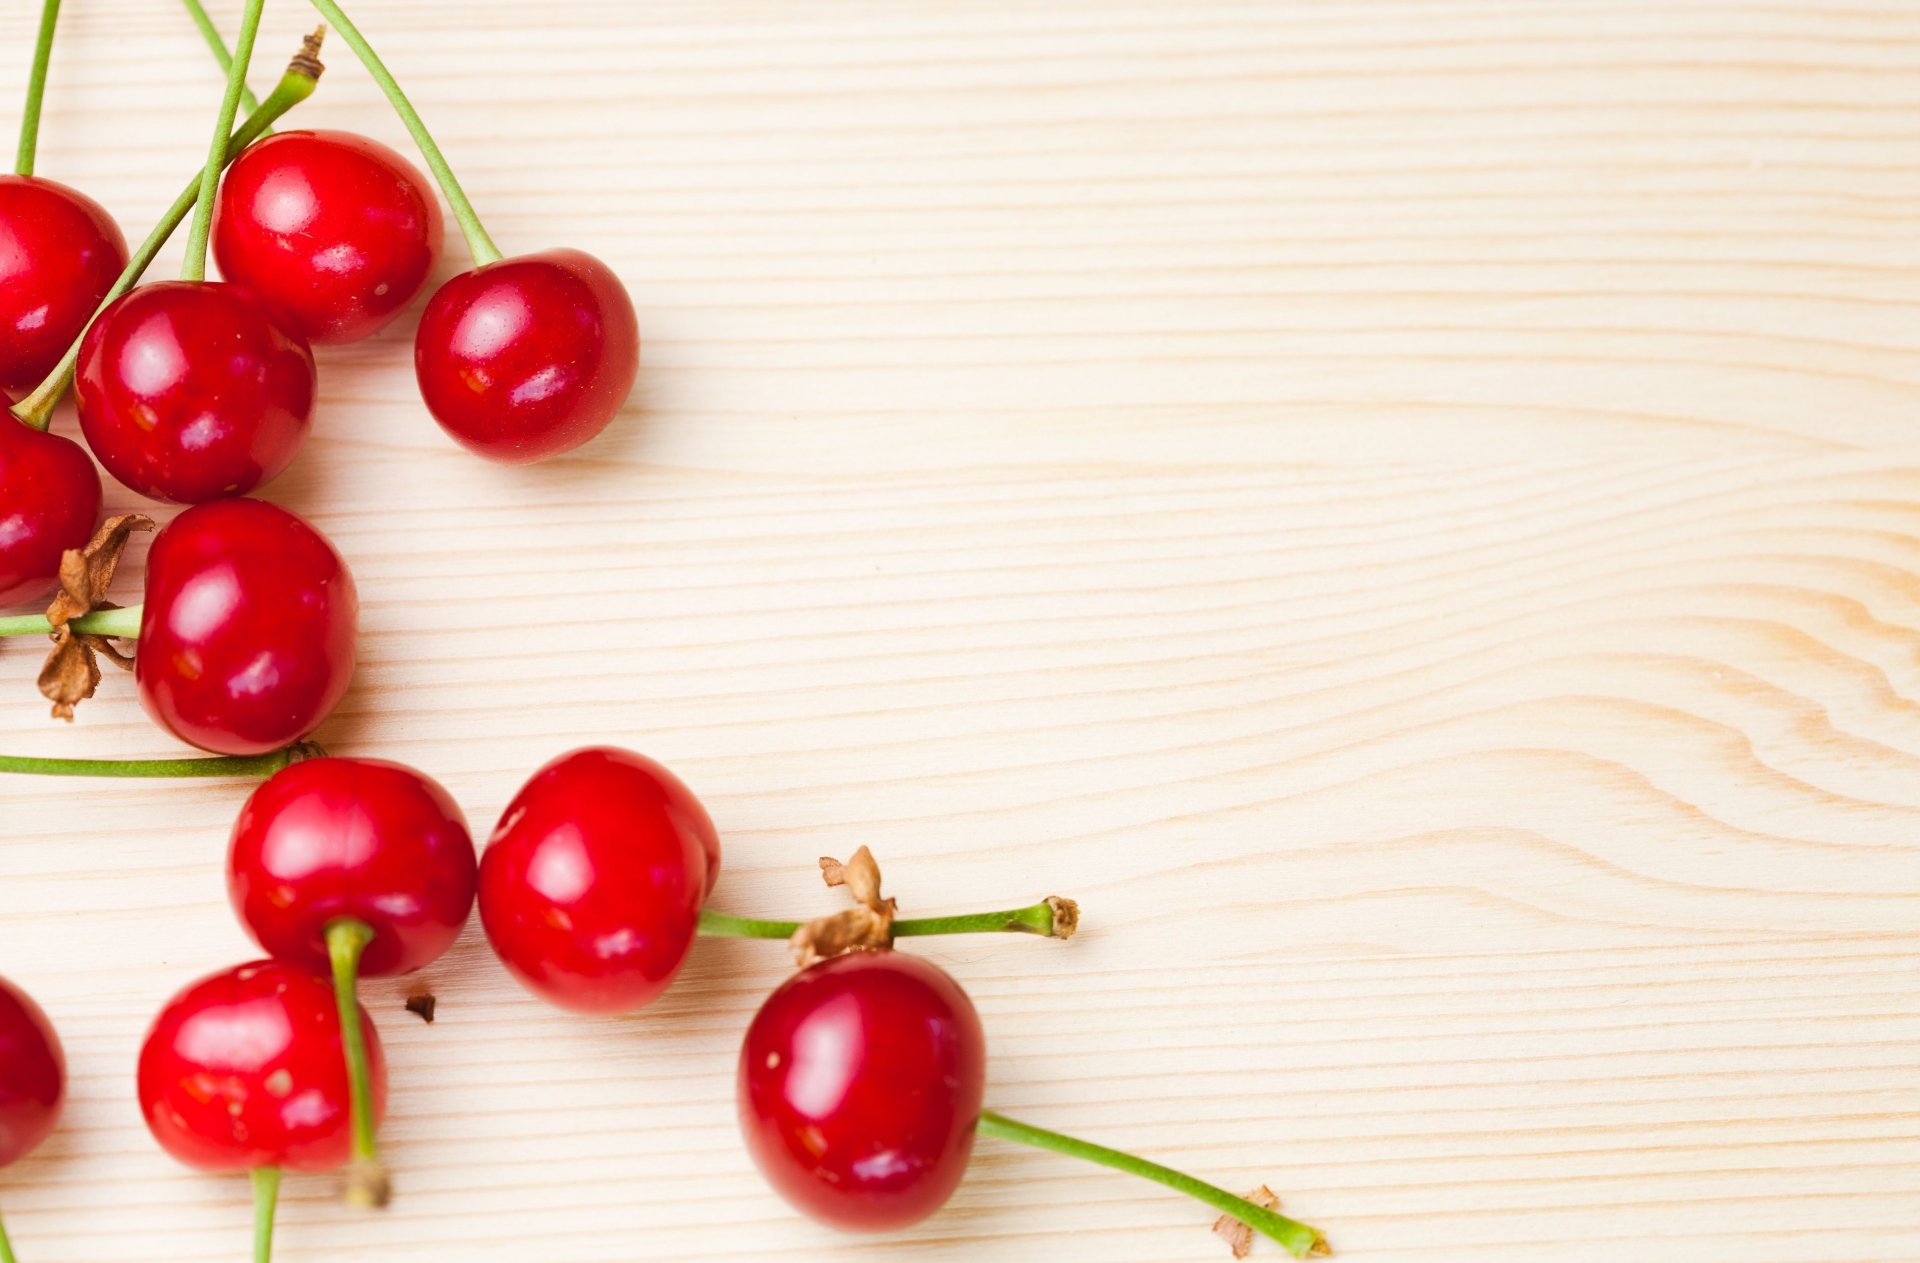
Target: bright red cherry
[
  {"x": 334, "y": 232},
  {"x": 245, "y": 1069},
  {"x": 247, "y": 631},
  {"x": 49, "y": 502},
  {"x": 528, "y": 357},
  {"x": 860, "y": 1087},
  {"x": 60, "y": 252},
  {"x": 187, "y": 391},
  {"x": 590, "y": 889},
  {"x": 33, "y": 1074},
  {"x": 329, "y": 838}
]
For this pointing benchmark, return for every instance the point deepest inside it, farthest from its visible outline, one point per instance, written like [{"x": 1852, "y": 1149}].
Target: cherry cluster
[{"x": 862, "y": 1078}]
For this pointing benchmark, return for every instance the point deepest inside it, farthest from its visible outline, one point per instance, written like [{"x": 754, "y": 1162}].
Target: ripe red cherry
[
  {"x": 244, "y": 1069},
  {"x": 590, "y": 889},
  {"x": 860, "y": 1087},
  {"x": 334, "y": 232},
  {"x": 49, "y": 502},
  {"x": 187, "y": 391},
  {"x": 528, "y": 357},
  {"x": 330, "y": 838},
  {"x": 60, "y": 252},
  {"x": 247, "y": 631},
  {"x": 33, "y": 1074}
]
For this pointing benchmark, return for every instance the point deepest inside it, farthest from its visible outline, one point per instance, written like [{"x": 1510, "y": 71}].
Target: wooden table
[{"x": 1409, "y": 511}]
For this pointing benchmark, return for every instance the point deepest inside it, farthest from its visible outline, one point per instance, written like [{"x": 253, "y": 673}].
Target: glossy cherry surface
[
  {"x": 334, "y": 232},
  {"x": 590, "y": 889},
  {"x": 528, "y": 357},
  {"x": 49, "y": 502},
  {"x": 247, "y": 636},
  {"x": 244, "y": 1069},
  {"x": 60, "y": 252},
  {"x": 329, "y": 838},
  {"x": 33, "y": 1074},
  {"x": 187, "y": 391},
  {"x": 860, "y": 1087}
]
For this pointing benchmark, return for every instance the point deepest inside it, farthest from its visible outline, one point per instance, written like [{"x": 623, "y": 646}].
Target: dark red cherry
[
  {"x": 49, "y": 502},
  {"x": 187, "y": 391},
  {"x": 33, "y": 1074},
  {"x": 334, "y": 232},
  {"x": 590, "y": 889},
  {"x": 329, "y": 838},
  {"x": 60, "y": 252},
  {"x": 245, "y": 1069},
  {"x": 528, "y": 357},
  {"x": 247, "y": 632},
  {"x": 860, "y": 1087}
]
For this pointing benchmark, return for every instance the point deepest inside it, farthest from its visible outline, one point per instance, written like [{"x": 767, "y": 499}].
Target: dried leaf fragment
[
  {"x": 71, "y": 672},
  {"x": 868, "y": 925},
  {"x": 422, "y": 1006},
  {"x": 1238, "y": 1236}
]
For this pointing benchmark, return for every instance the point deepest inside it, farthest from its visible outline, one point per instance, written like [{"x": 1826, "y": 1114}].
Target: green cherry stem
[
  {"x": 211, "y": 33},
  {"x": 1297, "y": 1238},
  {"x": 195, "y": 266},
  {"x": 30, "y": 127},
  {"x": 303, "y": 74},
  {"x": 213, "y": 765},
  {"x": 1050, "y": 918},
  {"x": 479, "y": 244},
  {"x": 122, "y": 624},
  {"x": 367, "y": 1183},
  {"x": 6, "y": 1247},
  {"x": 266, "y": 1195}
]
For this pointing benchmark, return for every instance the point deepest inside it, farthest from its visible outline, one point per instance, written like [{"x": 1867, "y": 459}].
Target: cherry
[
  {"x": 187, "y": 391},
  {"x": 49, "y": 502},
  {"x": 247, "y": 632},
  {"x": 334, "y": 232},
  {"x": 590, "y": 888},
  {"x": 528, "y": 357},
  {"x": 860, "y": 1086},
  {"x": 33, "y": 1074},
  {"x": 59, "y": 254}
]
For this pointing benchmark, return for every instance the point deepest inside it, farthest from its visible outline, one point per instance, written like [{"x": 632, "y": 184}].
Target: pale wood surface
[{"x": 1409, "y": 511}]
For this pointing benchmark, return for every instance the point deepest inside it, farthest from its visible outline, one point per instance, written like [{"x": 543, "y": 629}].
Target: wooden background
[{"x": 1410, "y": 512}]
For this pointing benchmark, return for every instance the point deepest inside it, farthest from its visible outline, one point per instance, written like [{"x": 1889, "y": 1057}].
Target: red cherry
[
  {"x": 245, "y": 1069},
  {"x": 60, "y": 252},
  {"x": 33, "y": 1074},
  {"x": 335, "y": 233},
  {"x": 860, "y": 1087},
  {"x": 590, "y": 889},
  {"x": 528, "y": 357},
  {"x": 187, "y": 391},
  {"x": 329, "y": 838},
  {"x": 247, "y": 633},
  {"x": 49, "y": 502}
]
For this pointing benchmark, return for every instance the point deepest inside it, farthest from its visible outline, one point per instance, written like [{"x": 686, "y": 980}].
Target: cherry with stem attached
[
  {"x": 49, "y": 503},
  {"x": 33, "y": 1081}
]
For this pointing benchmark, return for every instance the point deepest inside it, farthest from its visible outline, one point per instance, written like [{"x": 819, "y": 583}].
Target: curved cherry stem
[
  {"x": 1046, "y": 918},
  {"x": 479, "y": 244},
  {"x": 30, "y": 116},
  {"x": 218, "y": 46},
  {"x": 122, "y": 624},
  {"x": 295, "y": 86},
  {"x": 195, "y": 266},
  {"x": 220, "y": 765},
  {"x": 1297, "y": 1238},
  {"x": 266, "y": 1196},
  {"x": 367, "y": 1183}
]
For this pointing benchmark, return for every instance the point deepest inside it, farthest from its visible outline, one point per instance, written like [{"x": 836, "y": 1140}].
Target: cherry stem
[
  {"x": 30, "y": 118},
  {"x": 1298, "y": 1239},
  {"x": 1042, "y": 918},
  {"x": 121, "y": 624},
  {"x": 211, "y": 33},
  {"x": 6, "y": 1247},
  {"x": 148, "y": 769},
  {"x": 347, "y": 938},
  {"x": 266, "y": 1195},
  {"x": 479, "y": 244},
  {"x": 295, "y": 86},
  {"x": 195, "y": 266}
]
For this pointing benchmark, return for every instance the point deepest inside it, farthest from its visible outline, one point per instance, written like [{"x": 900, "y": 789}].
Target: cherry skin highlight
[
  {"x": 247, "y": 636},
  {"x": 60, "y": 252},
  {"x": 33, "y": 1074},
  {"x": 528, "y": 357},
  {"x": 187, "y": 391},
  {"x": 333, "y": 232},
  {"x": 244, "y": 1069},
  {"x": 49, "y": 502},
  {"x": 329, "y": 838},
  {"x": 860, "y": 1085},
  {"x": 590, "y": 889}
]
